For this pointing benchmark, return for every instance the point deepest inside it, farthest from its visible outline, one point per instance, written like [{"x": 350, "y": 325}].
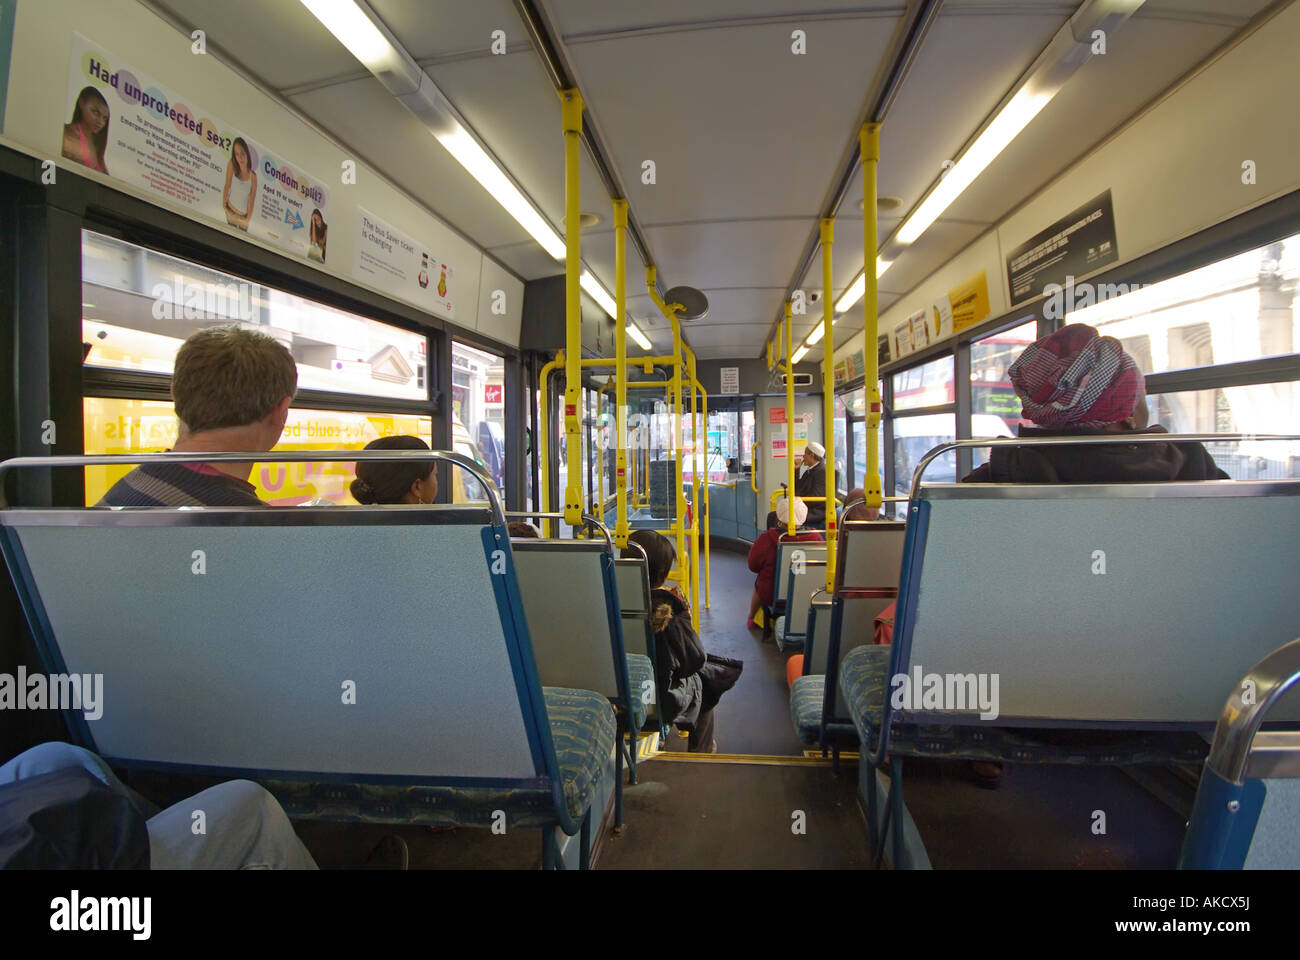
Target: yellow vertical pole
[
  {"x": 620, "y": 370},
  {"x": 869, "y": 142},
  {"x": 790, "y": 524},
  {"x": 828, "y": 388},
  {"x": 704, "y": 411},
  {"x": 571, "y": 110},
  {"x": 695, "y": 484}
]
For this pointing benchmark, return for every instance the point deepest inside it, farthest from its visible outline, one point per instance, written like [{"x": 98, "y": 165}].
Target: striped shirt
[{"x": 180, "y": 485}]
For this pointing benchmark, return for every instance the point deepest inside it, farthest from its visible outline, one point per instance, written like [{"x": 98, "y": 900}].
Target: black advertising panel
[{"x": 1073, "y": 246}]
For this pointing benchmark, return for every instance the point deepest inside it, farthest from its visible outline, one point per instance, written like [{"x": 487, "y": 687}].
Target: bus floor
[
  {"x": 729, "y": 812},
  {"x": 754, "y": 716}
]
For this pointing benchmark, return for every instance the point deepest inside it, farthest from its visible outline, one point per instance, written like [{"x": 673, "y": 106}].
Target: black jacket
[
  {"x": 691, "y": 682},
  {"x": 813, "y": 484},
  {"x": 1096, "y": 463}
]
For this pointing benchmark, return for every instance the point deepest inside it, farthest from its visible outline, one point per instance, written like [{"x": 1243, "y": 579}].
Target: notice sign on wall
[
  {"x": 1074, "y": 246},
  {"x": 133, "y": 129},
  {"x": 776, "y": 416},
  {"x": 778, "y": 444},
  {"x": 730, "y": 380},
  {"x": 391, "y": 261}
]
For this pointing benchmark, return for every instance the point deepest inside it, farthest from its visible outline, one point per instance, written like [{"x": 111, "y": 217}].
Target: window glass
[
  {"x": 138, "y": 307},
  {"x": 747, "y": 440},
  {"x": 1241, "y": 308},
  {"x": 116, "y": 426},
  {"x": 478, "y": 397},
  {"x": 914, "y": 437},
  {"x": 929, "y": 385},
  {"x": 995, "y": 407},
  {"x": 723, "y": 446},
  {"x": 841, "y": 447},
  {"x": 1255, "y": 409}
]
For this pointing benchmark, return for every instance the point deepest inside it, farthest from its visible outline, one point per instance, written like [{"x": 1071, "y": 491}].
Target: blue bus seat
[
  {"x": 869, "y": 554},
  {"x": 571, "y": 603},
  {"x": 1110, "y": 623},
  {"x": 1247, "y": 809},
  {"x": 371, "y": 663},
  {"x": 803, "y": 579}
]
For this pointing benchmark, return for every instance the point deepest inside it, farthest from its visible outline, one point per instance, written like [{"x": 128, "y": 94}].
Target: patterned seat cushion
[
  {"x": 641, "y": 683},
  {"x": 582, "y": 731},
  {"x": 864, "y": 678},
  {"x": 806, "y": 696}
]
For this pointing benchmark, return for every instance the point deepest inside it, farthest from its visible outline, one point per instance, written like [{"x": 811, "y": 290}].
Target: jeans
[{"x": 245, "y": 827}]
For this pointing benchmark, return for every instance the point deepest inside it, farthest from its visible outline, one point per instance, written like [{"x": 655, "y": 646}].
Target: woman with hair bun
[{"x": 394, "y": 482}]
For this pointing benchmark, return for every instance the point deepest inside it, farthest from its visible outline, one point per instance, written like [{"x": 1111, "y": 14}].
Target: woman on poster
[
  {"x": 319, "y": 231},
  {"x": 86, "y": 137},
  {"x": 241, "y": 186}
]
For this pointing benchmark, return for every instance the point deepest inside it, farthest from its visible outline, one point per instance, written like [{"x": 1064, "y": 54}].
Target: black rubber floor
[
  {"x": 690, "y": 814},
  {"x": 754, "y": 716}
]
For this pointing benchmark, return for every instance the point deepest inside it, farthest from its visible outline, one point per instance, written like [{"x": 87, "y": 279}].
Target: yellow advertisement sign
[
  {"x": 969, "y": 302},
  {"x": 116, "y": 426}
]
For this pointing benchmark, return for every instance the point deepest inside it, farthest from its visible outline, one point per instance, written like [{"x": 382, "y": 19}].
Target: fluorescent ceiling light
[
  {"x": 1011, "y": 119},
  {"x": 799, "y": 354},
  {"x": 354, "y": 26},
  {"x": 597, "y": 292},
  {"x": 484, "y": 169},
  {"x": 859, "y": 286},
  {"x": 638, "y": 336}
]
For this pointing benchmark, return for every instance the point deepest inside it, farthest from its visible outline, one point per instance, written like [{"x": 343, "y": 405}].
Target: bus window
[
  {"x": 929, "y": 385},
  {"x": 992, "y": 394}
]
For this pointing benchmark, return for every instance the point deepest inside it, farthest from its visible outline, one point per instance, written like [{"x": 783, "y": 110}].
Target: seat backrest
[
  {"x": 785, "y": 549},
  {"x": 571, "y": 601},
  {"x": 634, "y": 601},
  {"x": 1124, "y": 605},
  {"x": 370, "y": 643},
  {"x": 819, "y": 633},
  {"x": 1247, "y": 809},
  {"x": 805, "y": 578},
  {"x": 866, "y": 582},
  {"x": 870, "y": 553}
]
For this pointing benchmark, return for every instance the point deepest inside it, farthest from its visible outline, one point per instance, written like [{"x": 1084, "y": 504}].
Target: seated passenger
[
  {"x": 393, "y": 482},
  {"x": 763, "y": 554},
  {"x": 859, "y": 511},
  {"x": 523, "y": 530},
  {"x": 246, "y": 828},
  {"x": 1076, "y": 382},
  {"x": 690, "y": 680},
  {"x": 232, "y": 388}
]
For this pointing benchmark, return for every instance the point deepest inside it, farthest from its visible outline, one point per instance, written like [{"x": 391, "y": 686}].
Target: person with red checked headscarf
[{"x": 1078, "y": 383}]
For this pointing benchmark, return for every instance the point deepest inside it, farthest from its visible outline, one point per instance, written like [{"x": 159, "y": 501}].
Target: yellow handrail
[
  {"x": 753, "y": 464},
  {"x": 828, "y": 393}
]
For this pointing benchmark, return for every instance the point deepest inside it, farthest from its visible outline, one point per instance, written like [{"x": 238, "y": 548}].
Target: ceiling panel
[
  {"x": 282, "y": 43},
  {"x": 738, "y": 253},
  {"x": 438, "y": 28},
  {"x": 728, "y": 116},
  {"x": 846, "y": 256},
  {"x": 576, "y": 19},
  {"x": 1143, "y": 58},
  {"x": 966, "y": 66},
  {"x": 395, "y": 142}
]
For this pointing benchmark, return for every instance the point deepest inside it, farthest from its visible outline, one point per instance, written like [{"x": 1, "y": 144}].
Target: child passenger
[
  {"x": 691, "y": 682},
  {"x": 392, "y": 482}
]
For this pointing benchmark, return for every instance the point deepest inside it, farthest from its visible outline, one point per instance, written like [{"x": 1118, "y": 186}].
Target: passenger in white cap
[{"x": 812, "y": 483}]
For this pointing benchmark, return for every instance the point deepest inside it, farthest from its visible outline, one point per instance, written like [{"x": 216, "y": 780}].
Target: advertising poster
[
  {"x": 391, "y": 261},
  {"x": 130, "y": 127},
  {"x": 903, "y": 336},
  {"x": 941, "y": 320},
  {"x": 969, "y": 302},
  {"x": 841, "y": 372},
  {"x": 1075, "y": 245},
  {"x": 920, "y": 332},
  {"x": 778, "y": 444},
  {"x": 883, "y": 355}
]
